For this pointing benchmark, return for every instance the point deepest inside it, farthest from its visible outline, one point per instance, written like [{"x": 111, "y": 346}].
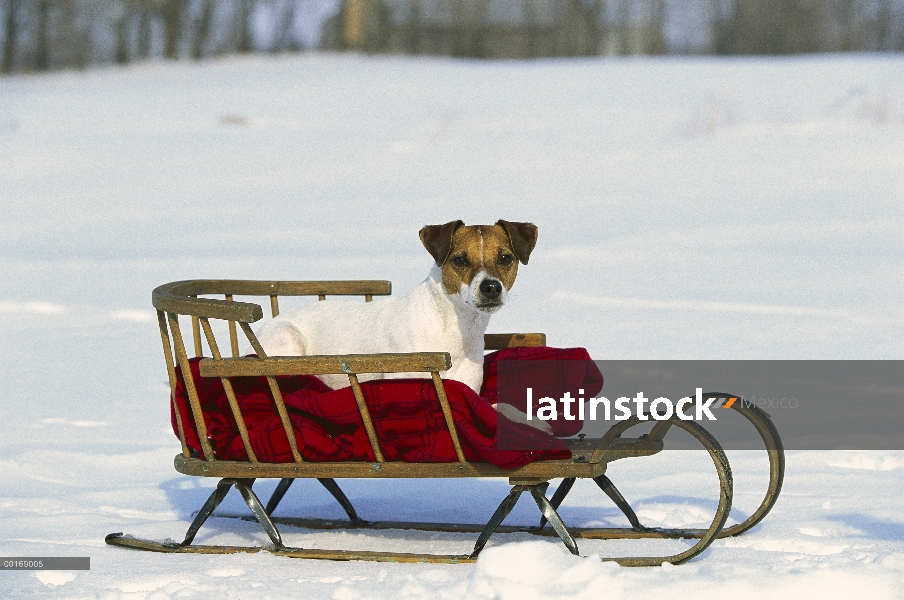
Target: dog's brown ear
[
  {"x": 523, "y": 237},
  {"x": 437, "y": 239}
]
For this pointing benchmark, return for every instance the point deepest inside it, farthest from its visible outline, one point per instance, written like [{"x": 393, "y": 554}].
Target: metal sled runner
[{"x": 590, "y": 457}]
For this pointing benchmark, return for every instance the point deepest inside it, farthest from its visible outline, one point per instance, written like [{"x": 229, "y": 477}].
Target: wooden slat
[
  {"x": 233, "y": 335},
  {"x": 547, "y": 469},
  {"x": 587, "y": 533},
  {"x": 182, "y": 359},
  {"x": 543, "y": 470},
  {"x": 447, "y": 413},
  {"x": 196, "y": 336},
  {"x": 117, "y": 539},
  {"x": 176, "y": 297},
  {"x": 331, "y": 288},
  {"x": 284, "y": 418},
  {"x": 252, "y": 339},
  {"x": 247, "y": 287},
  {"x": 171, "y": 373},
  {"x": 395, "y": 557},
  {"x": 365, "y": 417},
  {"x": 277, "y": 394},
  {"x": 499, "y": 341},
  {"x": 274, "y": 305},
  {"x": 179, "y": 302},
  {"x": 230, "y": 393},
  {"x": 415, "y": 362}
]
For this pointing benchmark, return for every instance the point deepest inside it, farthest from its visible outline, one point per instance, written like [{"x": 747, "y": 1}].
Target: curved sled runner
[{"x": 590, "y": 457}]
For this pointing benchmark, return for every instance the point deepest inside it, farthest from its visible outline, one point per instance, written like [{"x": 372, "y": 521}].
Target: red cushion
[
  {"x": 407, "y": 417},
  {"x": 549, "y": 372}
]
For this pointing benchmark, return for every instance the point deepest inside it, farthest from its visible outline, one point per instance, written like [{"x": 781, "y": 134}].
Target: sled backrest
[{"x": 181, "y": 298}]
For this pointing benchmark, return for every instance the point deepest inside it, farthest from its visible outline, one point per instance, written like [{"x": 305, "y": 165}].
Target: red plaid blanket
[{"x": 406, "y": 413}]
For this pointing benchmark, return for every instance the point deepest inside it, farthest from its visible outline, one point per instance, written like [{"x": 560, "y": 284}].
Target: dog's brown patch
[{"x": 462, "y": 250}]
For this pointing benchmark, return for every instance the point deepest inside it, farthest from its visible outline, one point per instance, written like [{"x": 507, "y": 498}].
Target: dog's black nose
[{"x": 490, "y": 288}]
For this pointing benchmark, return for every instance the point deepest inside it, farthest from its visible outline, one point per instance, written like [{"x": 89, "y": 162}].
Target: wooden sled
[{"x": 590, "y": 457}]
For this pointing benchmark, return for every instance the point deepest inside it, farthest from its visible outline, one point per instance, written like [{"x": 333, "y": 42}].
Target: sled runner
[{"x": 240, "y": 419}]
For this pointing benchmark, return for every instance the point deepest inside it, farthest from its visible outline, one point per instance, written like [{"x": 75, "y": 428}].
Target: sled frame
[{"x": 183, "y": 299}]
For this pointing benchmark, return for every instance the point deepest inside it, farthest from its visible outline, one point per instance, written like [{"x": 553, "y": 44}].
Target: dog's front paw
[{"x": 516, "y": 416}]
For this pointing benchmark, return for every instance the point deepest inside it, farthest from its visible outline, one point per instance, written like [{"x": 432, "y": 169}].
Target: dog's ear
[
  {"x": 437, "y": 239},
  {"x": 523, "y": 237}
]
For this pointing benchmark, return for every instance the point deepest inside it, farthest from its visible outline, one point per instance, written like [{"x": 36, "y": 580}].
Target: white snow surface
[{"x": 687, "y": 208}]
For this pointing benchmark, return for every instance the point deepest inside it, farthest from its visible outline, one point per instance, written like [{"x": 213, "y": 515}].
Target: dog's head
[{"x": 479, "y": 263}]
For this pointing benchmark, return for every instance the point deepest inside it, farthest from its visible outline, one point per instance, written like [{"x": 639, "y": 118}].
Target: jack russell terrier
[{"x": 475, "y": 267}]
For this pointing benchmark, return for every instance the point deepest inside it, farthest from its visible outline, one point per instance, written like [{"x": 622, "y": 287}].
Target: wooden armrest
[
  {"x": 498, "y": 341},
  {"x": 419, "y": 362},
  {"x": 178, "y": 297}
]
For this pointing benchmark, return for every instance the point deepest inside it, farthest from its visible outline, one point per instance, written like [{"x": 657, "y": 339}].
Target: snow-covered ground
[{"x": 688, "y": 208}]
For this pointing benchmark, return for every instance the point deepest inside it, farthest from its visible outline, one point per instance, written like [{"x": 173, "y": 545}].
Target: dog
[{"x": 474, "y": 268}]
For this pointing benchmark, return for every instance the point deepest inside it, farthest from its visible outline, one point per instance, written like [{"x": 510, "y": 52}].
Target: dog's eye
[
  {"x": 461, "y": 261},
  {"x": 506, "y": 259}
]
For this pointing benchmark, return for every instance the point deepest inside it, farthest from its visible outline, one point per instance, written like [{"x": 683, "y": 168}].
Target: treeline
[
  {"x": 794, "y": 26},
  {"x": 37, "y": 35},
  {"x": 51, "y": 34},
  {"x": 533, "y": 28}
]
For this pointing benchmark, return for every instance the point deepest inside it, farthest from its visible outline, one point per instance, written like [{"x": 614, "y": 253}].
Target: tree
[
  {"x": 469, "y": 22},
  {"x": 656, "y": 30},
  {"x": 282, "y": 29},
  {"x": 75, "y": 34},
  {"x": 774, "y": 27},
  {"x": 415, "y": 28},
  {"x": 242, "y": 25},
  {"x": 202, "y": 27},
  {"x": 122, "y": 34},
  {"x": 42, "y": 33},
  {"x": 145, "y": 15},
  {"x": 11, "y": 33},
  {"x": 173, "y": 17}
]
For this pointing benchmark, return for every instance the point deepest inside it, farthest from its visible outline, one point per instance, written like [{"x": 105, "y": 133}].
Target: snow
[{"x": 687, "y": 207}]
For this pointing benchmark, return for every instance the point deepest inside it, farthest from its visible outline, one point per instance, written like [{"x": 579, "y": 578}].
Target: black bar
[{"x": 45, "y": 563}]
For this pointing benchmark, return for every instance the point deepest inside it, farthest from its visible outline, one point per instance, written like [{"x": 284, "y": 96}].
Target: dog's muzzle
[
  {"x": 490, "y": 289},
  {"x": 491, "y": 295}
]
